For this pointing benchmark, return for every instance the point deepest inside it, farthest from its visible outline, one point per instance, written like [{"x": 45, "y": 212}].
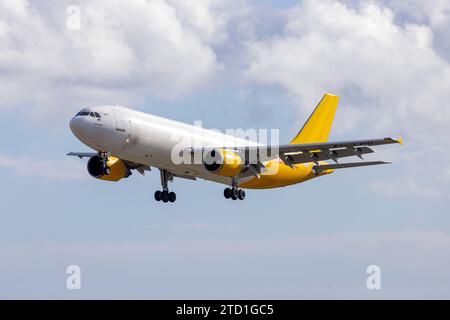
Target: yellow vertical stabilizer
[{"x": 318, "y": 126}]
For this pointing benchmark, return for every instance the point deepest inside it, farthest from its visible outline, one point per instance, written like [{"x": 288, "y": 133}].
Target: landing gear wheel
[
  {"x": 158, "y": 195},
  {"x": 234, "y": 194},
  {"x": 106, "y": 171},
  {"x": 172, "y": 197},
  {"x": 227, "y": 193},
  {"x": 165, "y": 196},
  {"x": 241, "y": 194}
]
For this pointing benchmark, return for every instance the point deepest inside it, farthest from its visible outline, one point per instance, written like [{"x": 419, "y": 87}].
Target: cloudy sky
[{"x": 230, "y": 64}]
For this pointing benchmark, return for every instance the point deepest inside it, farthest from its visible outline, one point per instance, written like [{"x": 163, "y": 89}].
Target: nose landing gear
[
  {"x": 104, "y": 156},
  {"x": 106, "y": 170},
  {"x": 164, "y": 195}
]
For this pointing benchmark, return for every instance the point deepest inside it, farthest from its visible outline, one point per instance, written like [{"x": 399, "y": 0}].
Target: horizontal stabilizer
[
  {"x": 319, "y": 169},
  {"x": 82, "y": 154}
]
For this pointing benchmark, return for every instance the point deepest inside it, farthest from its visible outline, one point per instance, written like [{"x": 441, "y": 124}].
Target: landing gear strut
[
  {"x": 234, "y": 192},
  {"x": 104, "y": 156},
  {"x": 164, "y": 195}
]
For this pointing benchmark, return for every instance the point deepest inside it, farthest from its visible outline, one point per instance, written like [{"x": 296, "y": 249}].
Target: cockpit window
[
  {"x": 97, "y": 115},
  {"x": 92, "y": 114},
  {"x": 82, "y": 113}
]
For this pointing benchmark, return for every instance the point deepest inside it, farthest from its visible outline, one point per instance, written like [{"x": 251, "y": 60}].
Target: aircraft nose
[
  {"x": 83, "y": 128},
  {"x": 78, "y": 127},
  {"x": 75, "y": 126}
]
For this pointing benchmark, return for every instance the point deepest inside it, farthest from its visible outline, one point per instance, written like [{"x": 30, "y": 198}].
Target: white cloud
[
  {"x": 67, "y": 169},
  {"x": 435, "y": 12},
  {"x": 123, "y": 52},
  {"x": 207, "y": 20},
  {"x": 392, "y": 80},
  {"x": 387, "y": 59},
  {"x": 329, "y": 46}
]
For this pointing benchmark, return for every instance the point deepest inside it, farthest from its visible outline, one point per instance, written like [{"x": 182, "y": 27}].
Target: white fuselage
[{"x": 149, "y": 140}]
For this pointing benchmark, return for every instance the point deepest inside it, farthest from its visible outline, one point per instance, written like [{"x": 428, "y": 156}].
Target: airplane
[{"x": 126, "y": 140}]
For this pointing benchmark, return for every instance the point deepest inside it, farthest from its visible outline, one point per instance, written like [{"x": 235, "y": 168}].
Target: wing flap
[
  {"x": 338, "y": 145},
  {"x": 321, "y": 155}
]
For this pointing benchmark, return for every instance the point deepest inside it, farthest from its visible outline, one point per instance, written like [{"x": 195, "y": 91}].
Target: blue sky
[{"x": 263, "y": 66}]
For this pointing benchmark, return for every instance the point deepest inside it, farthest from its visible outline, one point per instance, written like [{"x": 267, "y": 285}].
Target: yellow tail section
[{"x": 318, "y": 126}]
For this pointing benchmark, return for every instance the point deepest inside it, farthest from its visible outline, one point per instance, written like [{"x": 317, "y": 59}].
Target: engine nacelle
[
  {"x": 118, "y": 169},
  {"x": 222, "y": 162}
]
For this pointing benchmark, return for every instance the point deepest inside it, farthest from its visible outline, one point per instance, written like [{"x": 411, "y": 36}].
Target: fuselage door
[{"x": 120, "y": 124}]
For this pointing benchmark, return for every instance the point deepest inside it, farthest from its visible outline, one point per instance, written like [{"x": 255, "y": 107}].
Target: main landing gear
[
  {"x": 234, "y": 192},
  {"x": 164, "y": 195}
]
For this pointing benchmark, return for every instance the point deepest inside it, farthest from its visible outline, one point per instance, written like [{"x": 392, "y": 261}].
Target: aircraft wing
[{"x": 292, "y": 154}]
